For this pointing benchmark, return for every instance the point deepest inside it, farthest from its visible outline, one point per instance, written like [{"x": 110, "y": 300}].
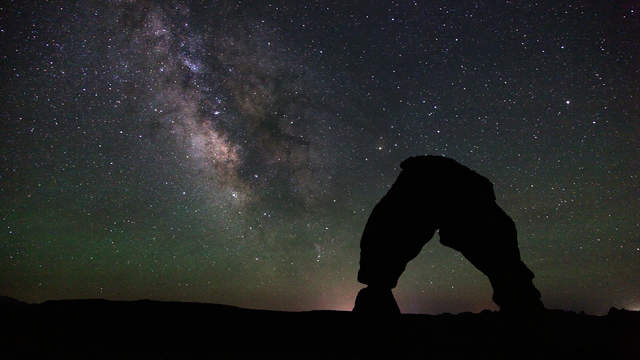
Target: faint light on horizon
[{"x": 633, "y": 307}]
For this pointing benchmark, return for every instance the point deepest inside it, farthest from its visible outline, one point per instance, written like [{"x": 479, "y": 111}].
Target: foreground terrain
[{"x": 104, "y": 327}]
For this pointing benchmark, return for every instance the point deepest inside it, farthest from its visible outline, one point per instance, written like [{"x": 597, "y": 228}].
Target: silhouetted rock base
[{"x": 103, "y": 328}]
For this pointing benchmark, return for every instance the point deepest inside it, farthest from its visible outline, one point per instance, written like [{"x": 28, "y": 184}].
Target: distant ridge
[
  {"x": 71, "y": 326},
  {"x": 6, "y": 300}
]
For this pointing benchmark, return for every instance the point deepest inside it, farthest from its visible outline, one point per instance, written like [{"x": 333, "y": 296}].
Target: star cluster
[{"x": 231, "y": 152}]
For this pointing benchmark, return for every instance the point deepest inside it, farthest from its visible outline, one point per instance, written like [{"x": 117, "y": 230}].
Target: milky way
[
  {"x": 231, "y": 152},
  {"x": 238, "y": 103}
]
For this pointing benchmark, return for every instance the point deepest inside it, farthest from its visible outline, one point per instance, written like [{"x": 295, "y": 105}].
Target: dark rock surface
[
  {"x": 438, "y": 193},
  {"x": 105, "y": 328}
]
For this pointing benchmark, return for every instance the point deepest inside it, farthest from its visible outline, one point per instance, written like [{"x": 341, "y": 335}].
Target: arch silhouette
[{"x": 437, "y": 193}]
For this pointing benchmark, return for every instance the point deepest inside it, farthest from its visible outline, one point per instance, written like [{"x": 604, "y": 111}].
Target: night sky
[{"x": 230, "y": 152}]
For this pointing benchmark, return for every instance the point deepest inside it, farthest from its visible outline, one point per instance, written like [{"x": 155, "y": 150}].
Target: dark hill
[{"x": 106, "y": 327}]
